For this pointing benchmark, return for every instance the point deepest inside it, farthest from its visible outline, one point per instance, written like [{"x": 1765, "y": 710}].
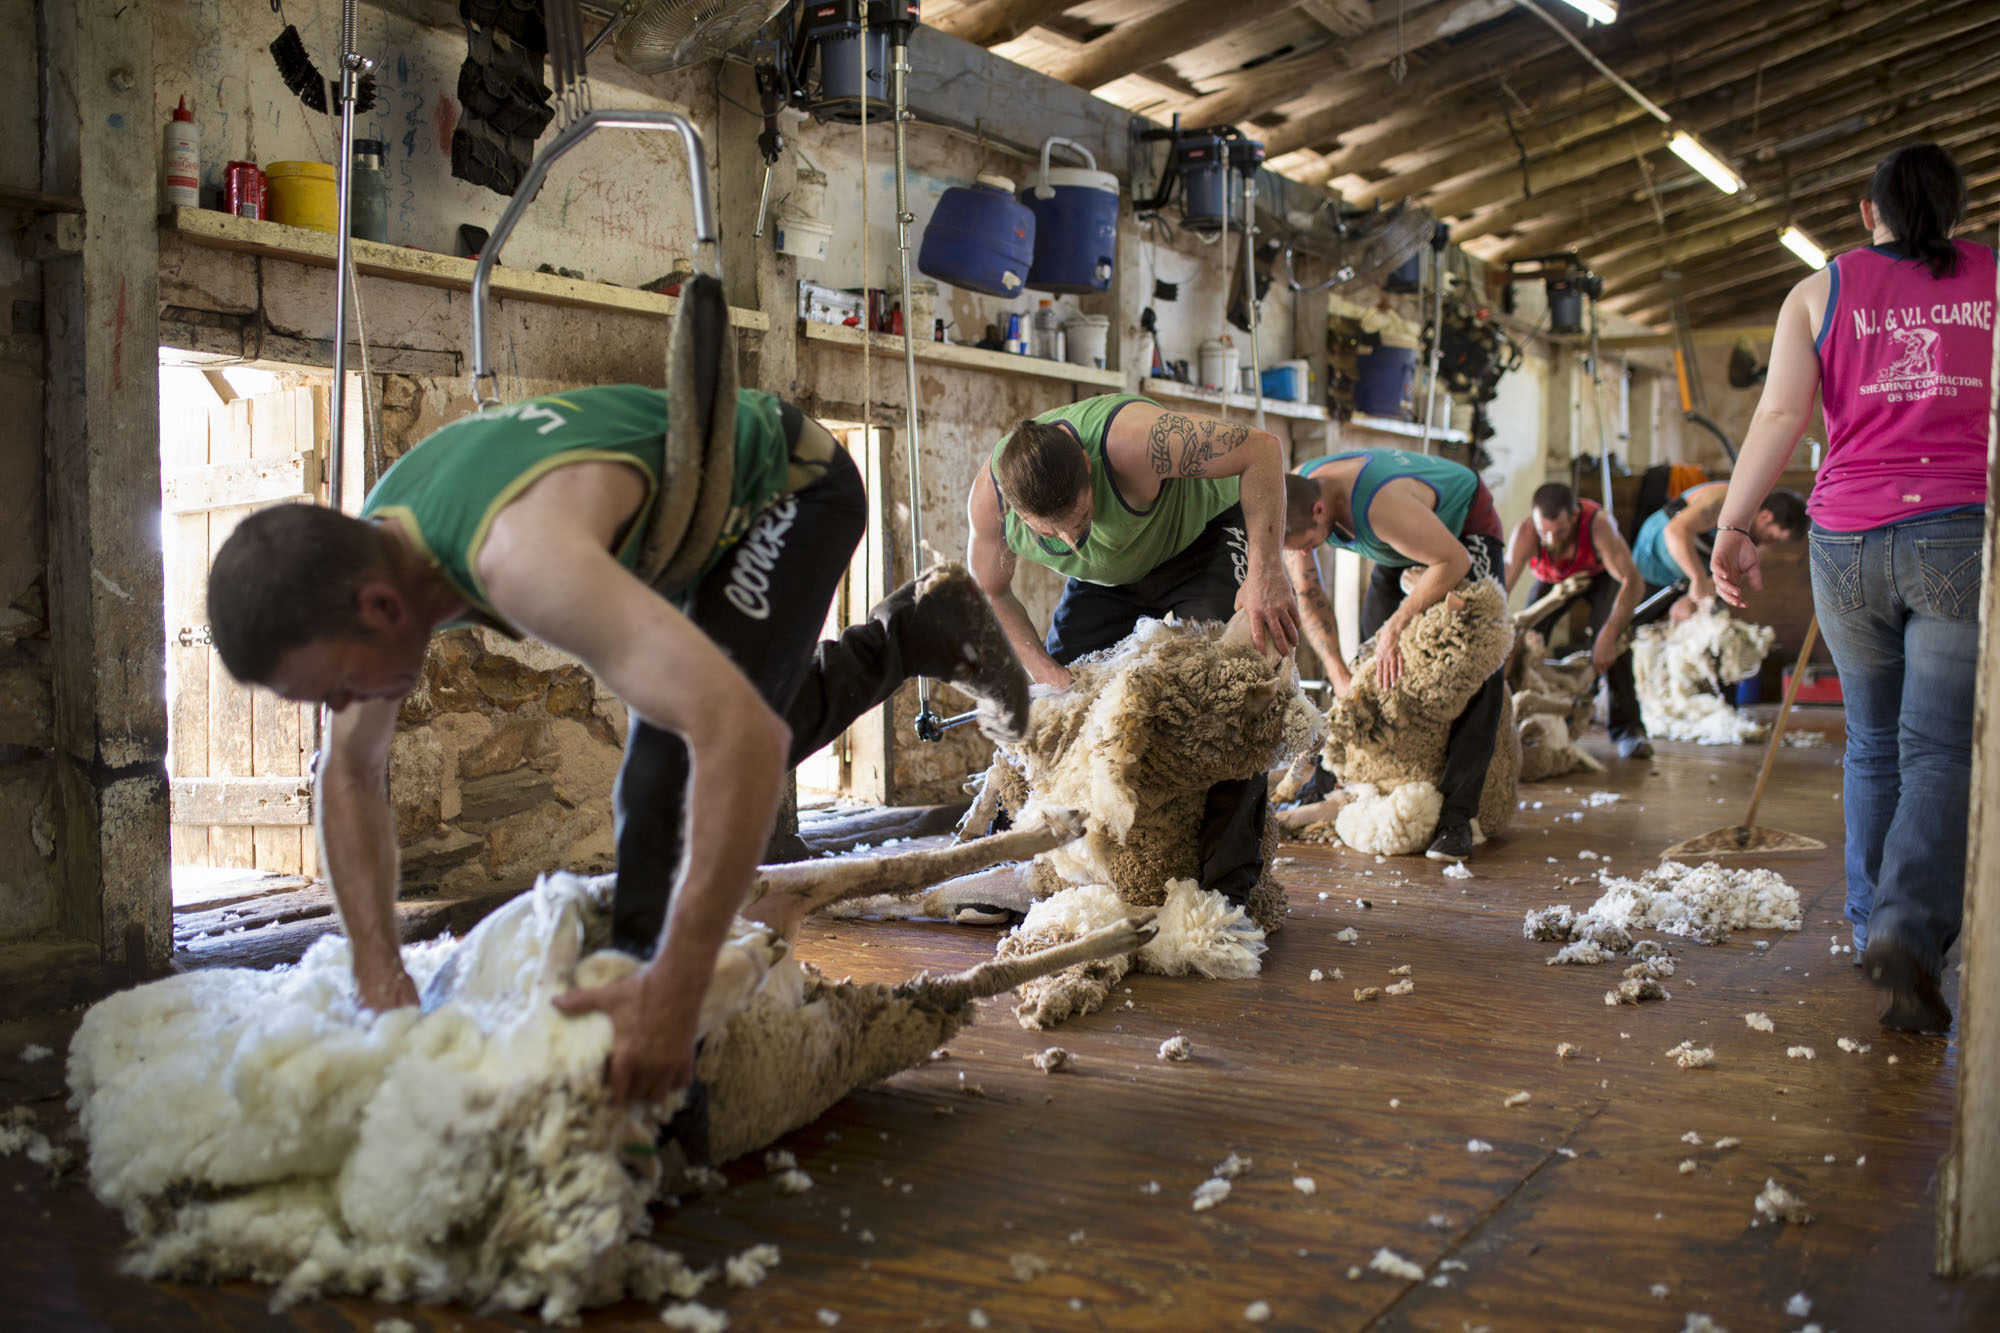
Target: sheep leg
[
  {"x": 985, "y": 805},
  {"x": 785, "y": 895},
  {"x": 1004, "y": 974}
]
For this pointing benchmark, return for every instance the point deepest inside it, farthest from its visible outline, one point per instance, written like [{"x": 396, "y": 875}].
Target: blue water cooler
[
  {"x": 980, "y": 238},
  {"x": 1076, "y": 224}
]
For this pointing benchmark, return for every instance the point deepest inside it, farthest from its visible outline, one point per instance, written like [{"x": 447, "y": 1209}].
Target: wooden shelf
[
  {"x": 271, "y": 240},
  {"x": 967, "y": 358},
  {"x": 1276, "y": 407},
  {"x": 1408, "y": 429}
]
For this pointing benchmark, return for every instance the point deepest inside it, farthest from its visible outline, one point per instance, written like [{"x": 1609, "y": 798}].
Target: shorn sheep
[
  {"x": 259, "y": 1125},
  {"x": 1379, "y": 742},
  {"x": 1135, "y": 743}
]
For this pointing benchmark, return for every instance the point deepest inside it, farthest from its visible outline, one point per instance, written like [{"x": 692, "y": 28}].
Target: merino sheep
[
  {"x": 1388, "y": 739},
  {"x": 260, "y": 1125},
  {"x": 1146, "y": 728},
  {"x": 1553, "y": 705}
]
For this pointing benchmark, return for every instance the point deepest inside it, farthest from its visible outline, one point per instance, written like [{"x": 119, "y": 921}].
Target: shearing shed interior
[{"x": 1000, "y": 664}]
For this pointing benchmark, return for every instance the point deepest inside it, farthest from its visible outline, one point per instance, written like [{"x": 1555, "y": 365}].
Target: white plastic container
[
  {"x": 1218, "y": 364},
  {"x": 1089, "y": 336},
  {"x": 808, "y": 196},
  {"x": 803, "y": 238},
  {"x": 181, "y": 182}
]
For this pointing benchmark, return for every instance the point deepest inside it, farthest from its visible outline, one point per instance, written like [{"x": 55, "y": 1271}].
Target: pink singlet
[{"x": 1904, "y": 365}]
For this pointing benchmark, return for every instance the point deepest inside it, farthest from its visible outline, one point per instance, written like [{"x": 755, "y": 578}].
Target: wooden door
[{"x": 238, "y": 758}]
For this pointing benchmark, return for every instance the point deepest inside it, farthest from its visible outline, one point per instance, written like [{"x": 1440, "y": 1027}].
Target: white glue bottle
[{"x": 183, "y": 159}]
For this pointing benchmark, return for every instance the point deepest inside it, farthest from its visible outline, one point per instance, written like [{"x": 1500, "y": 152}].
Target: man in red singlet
[{"x": 1563, "y": 536}]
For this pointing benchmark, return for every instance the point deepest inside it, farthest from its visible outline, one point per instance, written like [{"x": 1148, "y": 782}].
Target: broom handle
[{"x": 1778, "y": 727}]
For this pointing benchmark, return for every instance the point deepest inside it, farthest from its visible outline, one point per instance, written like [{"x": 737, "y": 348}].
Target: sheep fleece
[{"x": 1389, "y": 738}]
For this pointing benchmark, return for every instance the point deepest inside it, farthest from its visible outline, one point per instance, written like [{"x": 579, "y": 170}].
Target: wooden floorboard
[{"x": 977, "y": 1168}]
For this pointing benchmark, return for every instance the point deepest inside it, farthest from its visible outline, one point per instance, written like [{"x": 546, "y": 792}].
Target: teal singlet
[
  {"x": 1454, "y": 484},
  {"x": 1125, "y": 543}
]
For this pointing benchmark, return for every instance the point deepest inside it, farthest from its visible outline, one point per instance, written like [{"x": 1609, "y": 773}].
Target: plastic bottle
[
  {"x": 368, "y": 193},
  {"x": 1047, "y": 330},
  {"x": 183, "y": 159}
]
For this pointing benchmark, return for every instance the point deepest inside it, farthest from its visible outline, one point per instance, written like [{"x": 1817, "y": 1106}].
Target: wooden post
[
  {"x": 100, "y": 143},
  {"x": 1968, "y": 1236}
]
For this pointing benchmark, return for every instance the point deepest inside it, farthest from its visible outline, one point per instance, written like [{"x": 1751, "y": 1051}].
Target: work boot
[
  {"x": 1910, "y": 998},
  {"x": 1634, "y": 747},
  {"x": 1453, "y": 843},
  {"x": 945, "y": 629}
]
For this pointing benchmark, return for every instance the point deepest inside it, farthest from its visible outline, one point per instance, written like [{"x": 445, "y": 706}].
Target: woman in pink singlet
[{"x": 1897, "y": 339}]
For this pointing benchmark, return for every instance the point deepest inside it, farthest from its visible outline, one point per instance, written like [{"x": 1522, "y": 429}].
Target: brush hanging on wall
[{"x": 307, "y": 84}]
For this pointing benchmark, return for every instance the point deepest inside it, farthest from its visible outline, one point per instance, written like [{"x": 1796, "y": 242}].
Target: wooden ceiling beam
[
  {"x": 1743, "y": 282},
  {"x": 1626, "y": 181},
  {"x": 1845, "y": 164},
  {"x": 1631, "y": 223},
  {"x": 1820, "y": 217},
  {"x": 1708, "y": 118},
  {"x": 994, "y": 21},
  {"x": 1342, "y": 18},
  {"x": 1559, "y": 79},
  {"x": 1340, "y": 70},
  {"x": 1805, "y": 72},
  {"x": 1137, "y": 43}
]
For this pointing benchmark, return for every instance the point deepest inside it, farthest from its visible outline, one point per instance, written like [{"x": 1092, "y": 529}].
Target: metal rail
[{"x": 708, "y": 252}]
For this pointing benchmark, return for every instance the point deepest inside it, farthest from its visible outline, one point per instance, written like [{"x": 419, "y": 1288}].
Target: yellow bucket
[{"x": 302, "y": 194}]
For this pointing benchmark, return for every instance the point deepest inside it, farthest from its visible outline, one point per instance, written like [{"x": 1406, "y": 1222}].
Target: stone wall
[{"x": 505, "y": 755}]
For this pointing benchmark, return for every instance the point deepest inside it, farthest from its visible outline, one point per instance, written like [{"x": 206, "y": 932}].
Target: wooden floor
[{"x": 978, "y": 1183}]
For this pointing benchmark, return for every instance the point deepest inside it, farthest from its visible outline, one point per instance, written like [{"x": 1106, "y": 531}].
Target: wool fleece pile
[
  {"x": 1682, "y": 671},
  {"x": 259, "y": 1125}
]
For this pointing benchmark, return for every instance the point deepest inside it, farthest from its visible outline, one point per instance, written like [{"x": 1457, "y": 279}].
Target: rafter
[
  {"x": 994, "y": 21},
  {"x": 1137, "y": 43},
  {"x": 1804, "y": 71},
  {"x": 1354, "y": 69},
  {"x": 1558, "y": 78}
]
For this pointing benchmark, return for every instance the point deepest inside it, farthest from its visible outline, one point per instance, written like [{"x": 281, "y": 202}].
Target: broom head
[{"x": 1736, "y": 840}]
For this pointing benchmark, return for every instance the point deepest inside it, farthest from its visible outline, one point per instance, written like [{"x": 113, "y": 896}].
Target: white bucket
[
  {"x": 1218, "y": 364},
  {"x": 1088, "y": 337},
  {"x": 803, "y": 238}
]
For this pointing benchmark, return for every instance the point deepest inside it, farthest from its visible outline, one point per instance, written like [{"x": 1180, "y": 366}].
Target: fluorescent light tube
[
  {"x": 1802, "y": 245},
  {"x": 1600, "y": 11},
  {"x": 1719, "y": 173}
]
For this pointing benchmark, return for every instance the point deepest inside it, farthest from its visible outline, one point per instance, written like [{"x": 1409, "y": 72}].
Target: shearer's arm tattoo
[{"x": 1198, "y": 443}]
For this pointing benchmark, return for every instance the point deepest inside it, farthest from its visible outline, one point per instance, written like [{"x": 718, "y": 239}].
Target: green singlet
[
  {"x": 1125, "y": 544},
  {"x": 444, "y": 493}
]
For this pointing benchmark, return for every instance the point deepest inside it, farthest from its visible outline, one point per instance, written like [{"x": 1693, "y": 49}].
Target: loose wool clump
[
  {"x": 1703, "y": 903},
  {"x": 1389, "y": 823},
  {"x": 1398, "y": 736},
  {"x": 259, "y": 1125},
  {"x": 1199, "y": 934},
  {"x": 1682, "y": 671}
]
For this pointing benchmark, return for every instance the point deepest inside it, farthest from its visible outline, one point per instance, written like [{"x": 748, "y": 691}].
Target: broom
[{"x": 1746, "y": 838}]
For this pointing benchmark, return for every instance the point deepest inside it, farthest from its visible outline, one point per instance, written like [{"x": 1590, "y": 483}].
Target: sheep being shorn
[
  {"x": 1396, "y": 737},
  {"x": 1144, "y": 731},
  {"x": 1553, "y": 704},
  {"x": 258, "y": 1125}
]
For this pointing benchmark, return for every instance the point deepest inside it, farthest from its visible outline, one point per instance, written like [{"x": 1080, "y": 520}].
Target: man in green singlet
[
  {"x": 1404, "y": 510},
  {"x": 696, "y": 596},
  {"x": 1147, "y": 511}
]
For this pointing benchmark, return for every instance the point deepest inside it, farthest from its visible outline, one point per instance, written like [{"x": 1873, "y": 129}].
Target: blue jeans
[{"x": 1899, "y": 607}]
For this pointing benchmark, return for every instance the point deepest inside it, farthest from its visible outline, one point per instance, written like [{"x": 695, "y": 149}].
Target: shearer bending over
[
  {"x": 549, "y": 517},
  {"x": 1403, "y": 510},
  {"x": 1146, "y": 511},
  {"x": 1566, "y": 537},
  {"x": 1674, "y": 544}
]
